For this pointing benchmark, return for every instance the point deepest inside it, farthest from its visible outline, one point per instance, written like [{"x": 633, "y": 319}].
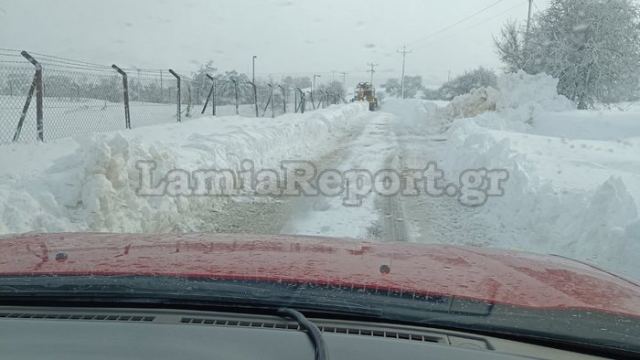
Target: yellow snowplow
[{"x": 366, "y": 92}]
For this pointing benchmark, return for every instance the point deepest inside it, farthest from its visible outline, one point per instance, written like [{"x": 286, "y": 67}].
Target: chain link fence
[
  {"x": 71, "y": 98},
  {"x": 153, "y": 97},
  {"x": 79, "y": 101},
  {"x": 16, "y": 79}
]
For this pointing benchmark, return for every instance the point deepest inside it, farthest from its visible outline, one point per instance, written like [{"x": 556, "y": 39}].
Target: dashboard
[{"x": 28, "y": 333}]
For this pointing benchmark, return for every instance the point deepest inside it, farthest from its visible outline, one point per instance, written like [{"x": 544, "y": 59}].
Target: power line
[
  {"x": 484, "y": 21},
  {"x": 495, "y": 16},
  {"x": 457, "y": 22}
]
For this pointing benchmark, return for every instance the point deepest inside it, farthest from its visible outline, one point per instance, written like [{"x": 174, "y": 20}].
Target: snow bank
[
  {"x": 478, "y": 101},
  {"x": 596, "y": 222},
  {"x": 574, "y": 186},
  {"x": 519, "y": 100},
  {"x": 533, "y": 92},
  {"x": 609, "y": 125},
  {"x": 89, "y": 184}
]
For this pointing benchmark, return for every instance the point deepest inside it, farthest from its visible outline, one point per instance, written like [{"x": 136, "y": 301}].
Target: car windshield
[{"x": 480, "y": 156}]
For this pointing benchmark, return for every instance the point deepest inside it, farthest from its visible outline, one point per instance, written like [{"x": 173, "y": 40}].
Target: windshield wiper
[{"x": 320, "y": 347}]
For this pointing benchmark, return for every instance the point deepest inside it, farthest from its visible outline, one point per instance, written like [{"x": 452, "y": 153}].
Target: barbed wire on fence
[{"x": 80, "y": 97}]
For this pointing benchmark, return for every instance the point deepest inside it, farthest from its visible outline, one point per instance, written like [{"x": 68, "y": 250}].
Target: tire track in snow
[
  {"x": 370, "y": 148},
  {"x": 429, "y": 219}
]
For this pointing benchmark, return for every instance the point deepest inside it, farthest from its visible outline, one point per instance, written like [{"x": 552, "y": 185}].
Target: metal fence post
[
  {"x": 270, "y": 102},
  {"x": 303, "y": 101},
  {"x": 179, "y": 94},
  {"x": 212, "y": 95},
  {"x": 188, "y": 100},
  {"x": 235, "y": 87},
  {"x": 313, "y": 104},
  {"x": 37, "y": 79},
  {"x": 214, "y": 104},
  {"x": 125, "y": 93},
  {"x": 273, "y": 111},
  {"x": 255, "y": 96},
  {"x": 284, "y": 98},
  {"x": 25, "y": 109},
  {"x": 266, "y": 106}
]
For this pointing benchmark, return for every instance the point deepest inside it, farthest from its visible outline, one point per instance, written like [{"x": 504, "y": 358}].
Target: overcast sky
[{"x": 297, "y": 37}]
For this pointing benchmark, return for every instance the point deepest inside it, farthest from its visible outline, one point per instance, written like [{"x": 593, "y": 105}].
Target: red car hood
[{"x": 500, "y": 277}]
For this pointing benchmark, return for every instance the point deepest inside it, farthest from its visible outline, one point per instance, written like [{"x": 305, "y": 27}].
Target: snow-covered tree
[
  {"x": 592, "y": 47},
  {"x": 225, "y": 87},
  {"x": 392, "y": 87},
  {"x": 431, "y": 94},
  {"x": 510, "y": 46},
  {"x": 468, "y": 81},
  {"x": 302, "y": 82},
  {"x": 412, "y": 85}
]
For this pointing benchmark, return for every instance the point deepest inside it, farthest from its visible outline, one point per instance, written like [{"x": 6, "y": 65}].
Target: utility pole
[
  {"x": 526, "y": 40},
  {"x": 404, "y": 53},
  {"x": 253, "y": 77},
  {"x": 372, "y": 70}
]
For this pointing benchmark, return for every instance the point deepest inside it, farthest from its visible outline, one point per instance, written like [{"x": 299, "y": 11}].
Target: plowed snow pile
[
  {"x": 574, "y": 186},
  {"x": 90, "y": 184}
]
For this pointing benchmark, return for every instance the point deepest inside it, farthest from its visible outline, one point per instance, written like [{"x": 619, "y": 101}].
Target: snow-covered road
[
  {"x": 400, "y": 137},
  {"x": 430, "y": 219},
  {"x": 369, "y": 147}
]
